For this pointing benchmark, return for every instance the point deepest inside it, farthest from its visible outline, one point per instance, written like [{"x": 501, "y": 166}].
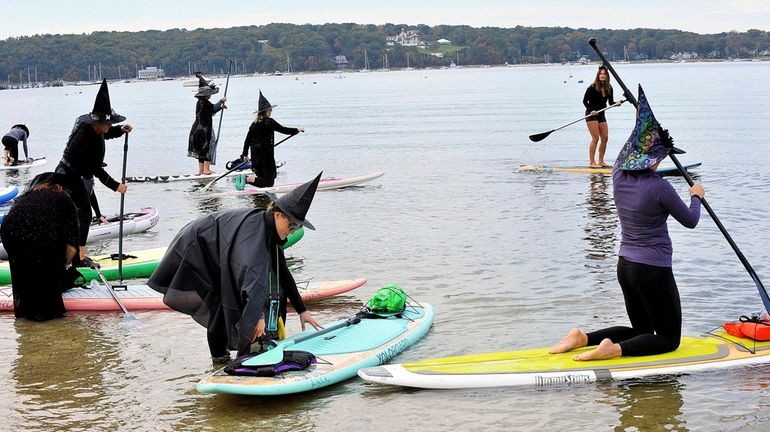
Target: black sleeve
[
  {"x": 281, "y": 129},
  {"x": 114, "y": 132},
  {"x": 611, "y": 97},
  {"x": 587, "y": 99},
  {"x": 95, "y": 205},
  {"x": 289, "y": 286},
  {"x": 249, "y": 139}
]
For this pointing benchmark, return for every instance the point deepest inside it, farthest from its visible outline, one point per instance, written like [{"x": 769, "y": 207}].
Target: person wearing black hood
[
  {"x": 18, "y": 132},
  {"x": 261, "y": 141},
  {"x": 202, "y": 137},
  {"x": 84, "y": 155},
  {"x": 228, "y": 272},
  {"x": 40, "y": 233}
]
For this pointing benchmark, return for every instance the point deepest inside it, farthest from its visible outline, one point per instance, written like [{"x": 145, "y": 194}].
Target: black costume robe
[
  {"x": 36, "y": 232},
  {"x": 83, "y": 159},
  {"x": 261, "y": 141},
  {"x": 222, "y": 270},
  {"x": 202, "y": 131}
]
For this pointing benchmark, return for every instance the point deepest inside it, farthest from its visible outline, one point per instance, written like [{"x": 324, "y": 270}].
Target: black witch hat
[
  {"x": 263, "y": 105},
  {"x": 22, "y": 127},
  {"x": 103, "y": 112},
  {"x": 296, "y": 203},
  {"x": 74, "y": 187},
  {"x": 205, "y": 87}
]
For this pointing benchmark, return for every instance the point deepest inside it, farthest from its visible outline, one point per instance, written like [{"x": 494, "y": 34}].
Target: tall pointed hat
[
  {"x": 296, "y": 203},
  {"x": 206, "y": 87},
  {"x": 263, "y": 104},
  {"x": 648, "y": 144},
  {"x": 103, "y": 112}
]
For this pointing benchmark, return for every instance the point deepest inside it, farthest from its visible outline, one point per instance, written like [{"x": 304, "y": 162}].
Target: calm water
[{"x": 510, "y": 260}]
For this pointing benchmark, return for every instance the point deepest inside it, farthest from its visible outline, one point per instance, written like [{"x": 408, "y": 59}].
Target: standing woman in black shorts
[{"x": 596, "y": 97}]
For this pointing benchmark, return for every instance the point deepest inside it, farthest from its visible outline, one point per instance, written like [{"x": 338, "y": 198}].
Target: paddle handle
[
  {"x": 122, "y": 209},
  {"x": 222, "y": 114},
  {"x": 112, "y": 291},
  {"x": 208, "y": 185}
]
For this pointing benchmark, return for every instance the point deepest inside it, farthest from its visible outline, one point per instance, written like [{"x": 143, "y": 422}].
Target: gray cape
[{"x": 222, "y": 260}]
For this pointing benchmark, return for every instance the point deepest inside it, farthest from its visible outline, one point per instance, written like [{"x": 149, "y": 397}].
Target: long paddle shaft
[
  {"x": 630, "y": 97},
  {"x": 126, "y": 314},
  {"x": 208, "y": 185},
  {"x": 542, "y": 135},
  {"x": 122, "y": 208},
  {"x": 222, "y": 114},
  {"x": 275, "y": 354}
]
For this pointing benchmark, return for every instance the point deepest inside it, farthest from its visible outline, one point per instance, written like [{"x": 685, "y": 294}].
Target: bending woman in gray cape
[{"x": 228, "y": 272}]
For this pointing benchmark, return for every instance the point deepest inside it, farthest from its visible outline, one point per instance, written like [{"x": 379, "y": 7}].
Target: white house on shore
[
  {"x": 150, "y": 73},
  {"x": 443, "y": 42}
]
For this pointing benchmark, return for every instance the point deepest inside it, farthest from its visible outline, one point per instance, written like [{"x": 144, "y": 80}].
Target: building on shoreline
[{"x": 150, "y": 73}]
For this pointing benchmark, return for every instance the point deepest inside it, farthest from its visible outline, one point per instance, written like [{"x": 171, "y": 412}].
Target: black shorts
[{"x": 598, "y": 117}]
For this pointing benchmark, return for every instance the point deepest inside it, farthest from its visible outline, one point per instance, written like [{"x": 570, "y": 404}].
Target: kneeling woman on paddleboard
[
  {"x": 261, "y": 141},
  {"x": 40, "y": 233},
  {"x": 227, "y": 270},
  {"x": 644, "y": 201}
]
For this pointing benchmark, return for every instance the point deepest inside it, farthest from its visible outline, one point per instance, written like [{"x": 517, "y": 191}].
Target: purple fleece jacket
[{"x": 644, "y": 200}]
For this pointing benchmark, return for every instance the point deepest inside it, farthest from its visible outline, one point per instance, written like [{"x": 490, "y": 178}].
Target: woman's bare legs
[{"x": 593, "y": 129}]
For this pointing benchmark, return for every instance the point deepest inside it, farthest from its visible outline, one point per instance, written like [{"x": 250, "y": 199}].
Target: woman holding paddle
[
  {"x": 595, "y": 98},
  {"x": 201, "y": 142},
  {"x": 644, "y": 200},
  {"x": 261, "y": 141},
  {"x": 84, "y": 155}
]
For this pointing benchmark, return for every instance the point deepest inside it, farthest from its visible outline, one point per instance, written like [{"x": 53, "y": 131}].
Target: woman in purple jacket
[{"x": 644, "y": 201}]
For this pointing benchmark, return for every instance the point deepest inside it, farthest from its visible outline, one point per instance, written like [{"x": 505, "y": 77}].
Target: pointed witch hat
[
  {"x": 103, "y": 112},
  {"x": 648, "y": 144},
  {"x": 296, "y": 203},
  {"x": 205, "y": 86},
  {"x": 263, "y": 104}
]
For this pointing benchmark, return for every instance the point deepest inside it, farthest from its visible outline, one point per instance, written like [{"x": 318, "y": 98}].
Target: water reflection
[
  {"x": 601, "y": 221},
  {"x": 205, "y": 202},
  {"x": 648, "y": 405},
  {"x": 59, "y": 373}
]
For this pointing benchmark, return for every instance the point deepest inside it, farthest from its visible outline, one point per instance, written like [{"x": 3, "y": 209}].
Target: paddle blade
[{"x": 539, "y": 137}]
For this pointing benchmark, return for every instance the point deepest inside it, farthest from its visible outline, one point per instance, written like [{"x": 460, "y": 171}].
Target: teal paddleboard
[{"x": 341, "y": 353}]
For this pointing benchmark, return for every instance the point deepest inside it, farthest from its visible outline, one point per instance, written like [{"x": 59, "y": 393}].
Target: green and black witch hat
[{"x": 296, "y": 203}]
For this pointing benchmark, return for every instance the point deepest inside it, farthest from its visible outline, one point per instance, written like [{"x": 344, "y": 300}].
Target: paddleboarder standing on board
[
  {"x": 227, "y": 270},
  {"x": 202, "y": 132},
  {"x": 644, "y": 200},
  {"x": 84, "y": 155},
  {"x": 595, "y": 98},
  {"x": 261, "y": 141}
]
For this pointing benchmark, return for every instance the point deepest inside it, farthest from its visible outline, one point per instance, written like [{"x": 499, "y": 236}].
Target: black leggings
[
  {"x": 12, "y": 145},
  {"x": 82, "y": 202},
  {"x": 653, "y": 307},
  {"x": 264, "y": 175}
]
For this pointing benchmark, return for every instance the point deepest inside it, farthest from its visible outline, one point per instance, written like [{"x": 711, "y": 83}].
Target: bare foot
[
  {"x": 594, "y": 165},
  {"x": 605, "y": 350},
  {"x": 603, "y": 164},
  {"x": 574, "y": 339}
]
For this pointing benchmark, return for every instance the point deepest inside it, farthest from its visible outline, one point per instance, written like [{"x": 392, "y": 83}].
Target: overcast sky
[{"x": 29, "y": 17}]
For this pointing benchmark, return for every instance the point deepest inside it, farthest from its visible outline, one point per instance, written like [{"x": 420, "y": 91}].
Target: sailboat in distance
[{"x": 366, "y": 63}]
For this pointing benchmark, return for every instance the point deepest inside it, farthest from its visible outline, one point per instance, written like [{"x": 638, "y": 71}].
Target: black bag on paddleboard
[{"x": 292, "y": 361}]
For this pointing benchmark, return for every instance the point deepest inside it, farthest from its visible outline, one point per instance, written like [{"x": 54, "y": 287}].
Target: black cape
[{"x": 226, "y": 263}]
